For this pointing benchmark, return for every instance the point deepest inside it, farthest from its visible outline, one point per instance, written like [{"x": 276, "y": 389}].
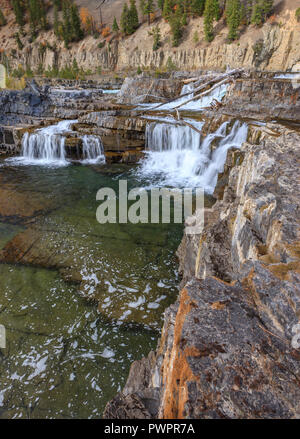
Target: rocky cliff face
[
  {"x": 229, "y": 347},
  {"x": 232, "y": 353},
  {"x": 273, "y": 47}
]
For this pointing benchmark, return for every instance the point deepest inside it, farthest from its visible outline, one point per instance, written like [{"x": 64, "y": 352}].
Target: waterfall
[
  {"x": 92, "y": 149},
  {"x": 43, "y": 147},
  {"x": 168, "y": 136},
  {"x": 177, "y": 156},
  {"x": 46, "y": 146}
]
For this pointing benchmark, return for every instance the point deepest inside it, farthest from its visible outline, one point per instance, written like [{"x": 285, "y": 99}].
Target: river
[{"x": 80, "y": 300}]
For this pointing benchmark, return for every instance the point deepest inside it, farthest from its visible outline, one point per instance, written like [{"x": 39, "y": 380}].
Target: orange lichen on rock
[{"x": 177, "y": 372}]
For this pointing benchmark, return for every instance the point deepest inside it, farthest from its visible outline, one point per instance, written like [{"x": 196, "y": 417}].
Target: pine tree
[
  {"x": 209, "y": 15},
  {"x": 155, "y": 32},
  {"x": 33, "y": 15},
  {"x": 56, "y": 20},
  {"x": 124, "y": 19},
  {"x": 115, "y": 27},
  {"x": 217, "y": 10},
  {"x": 176, "y": 29},
  {"x": 233, "y": 18},
  {"x": 18, "y": 41},
  {"x": 243, "y": 15},
  {"x": 149, "y": 8},
  {"x": 167, "y": 10},
  {"x": 75, "y": 67},
  {"x": 160, "y": 4},
  {"x": 196, "y": 37},
  {"x": 19, "y": 11},
  {"x": 261, "y": 9},
  {"x": 197, "y": 7},
  {"x": 75, "y": 24},
  {"x": 267, "y": 6},
  {"x": 66, "y": 26},
  {"x": 2, "y": 19},
  {"x": 37, "y": 15},
  {"x": 133, "y": 19},
  {"x": 257, "y": 13},
  {"x": 179, "y": 7}
]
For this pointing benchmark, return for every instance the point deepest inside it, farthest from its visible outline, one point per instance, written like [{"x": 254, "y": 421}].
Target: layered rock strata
[{"x": 229, "y": 346}]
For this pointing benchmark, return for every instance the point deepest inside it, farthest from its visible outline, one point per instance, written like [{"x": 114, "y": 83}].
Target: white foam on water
[
  {"x": 46, "y": 147},
  {"x": 92, "y": 150},
  {"x": 176, "y": 155}
]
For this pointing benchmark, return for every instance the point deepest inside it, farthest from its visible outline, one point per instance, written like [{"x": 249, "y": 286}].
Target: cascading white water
[
  {"x": 176, "y": 155},
  {"x": 236, "y": 137},
  {"x": 47, "y": 146},
  {"x": 171, "y": 136},
  {"x": 92, "y": 149},
  {"x": 43, "y": 147}
]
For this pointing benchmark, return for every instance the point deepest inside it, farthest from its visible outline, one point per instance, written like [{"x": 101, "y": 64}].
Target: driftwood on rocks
[
  {"x": 216, "y": 104},
  {"x": 189, "y": 80},
  {"x": 184, "y": 122},
  {"x": 231, "y": 73},
  {"x": 200, "y": 95},
  {"x": 215, "y": 82}
]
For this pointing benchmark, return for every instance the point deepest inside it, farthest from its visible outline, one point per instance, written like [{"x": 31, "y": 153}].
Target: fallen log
[
  {"x": 226, "y": 75},
  {"x": 182, "y": 96},
  {"x": 189, "y": 80},
  {"x": 222, "y": 75},
  {"x": 200, "y": 95},
  {"x": 184, "y": 122},
  {"x": 197, "y": 89}
]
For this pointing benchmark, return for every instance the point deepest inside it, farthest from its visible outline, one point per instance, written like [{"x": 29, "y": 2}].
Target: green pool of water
[{"x": 80, "y": 301}]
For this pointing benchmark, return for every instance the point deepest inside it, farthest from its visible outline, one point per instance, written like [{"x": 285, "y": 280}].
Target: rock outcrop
[
  {"x": 123, "y": 135},
  {"x": 273, "y": 46},
  {"x": 264, "y": 97},
  {"x": 229, "y": 346},
  {"x": 146, "y": 89}
]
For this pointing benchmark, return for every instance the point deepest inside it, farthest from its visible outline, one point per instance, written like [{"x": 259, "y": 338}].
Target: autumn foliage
[
  {"x": 105, "y": 31},
  {"x": 87, "y": 20}
]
